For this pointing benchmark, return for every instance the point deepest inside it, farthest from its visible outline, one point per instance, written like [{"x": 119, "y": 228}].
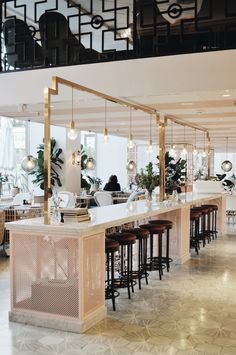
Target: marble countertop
[{"x": 110, "y": 216}]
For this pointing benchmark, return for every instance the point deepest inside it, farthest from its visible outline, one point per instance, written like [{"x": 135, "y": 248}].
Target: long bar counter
[{"x": 58, "y": 270}]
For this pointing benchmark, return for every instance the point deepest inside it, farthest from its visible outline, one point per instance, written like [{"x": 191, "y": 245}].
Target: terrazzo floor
[{"x": 191, "y": 311}]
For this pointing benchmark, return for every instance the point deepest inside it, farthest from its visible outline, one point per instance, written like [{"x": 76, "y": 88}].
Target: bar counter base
[{"x": 52, "y": 322}]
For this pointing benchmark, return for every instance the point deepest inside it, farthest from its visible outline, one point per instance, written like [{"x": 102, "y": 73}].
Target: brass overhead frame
[
  {"x": 48, "y": 92},
  {"x": 162, "y": 128}
]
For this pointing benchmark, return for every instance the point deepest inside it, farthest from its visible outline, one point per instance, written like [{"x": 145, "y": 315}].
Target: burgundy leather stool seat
[
  {"x": 111, "y": 247},
  {"x": 155, "y": 262},
  {"x": 126, "y": 241},
  {"x": 142, "y": 236},
  {"x": 168, "y": 226}
]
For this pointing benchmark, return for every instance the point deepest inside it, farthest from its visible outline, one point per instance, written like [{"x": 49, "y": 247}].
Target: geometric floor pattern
[{"x": 191, "y": 311}]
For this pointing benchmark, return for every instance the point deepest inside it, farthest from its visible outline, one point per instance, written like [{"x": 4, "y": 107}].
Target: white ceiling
[{"x": 153, "y": 81}]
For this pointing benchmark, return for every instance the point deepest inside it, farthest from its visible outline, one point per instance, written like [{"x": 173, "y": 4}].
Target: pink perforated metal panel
[
  {"x": 93, "y": 272},
  {"x": 45, "y": 274}
]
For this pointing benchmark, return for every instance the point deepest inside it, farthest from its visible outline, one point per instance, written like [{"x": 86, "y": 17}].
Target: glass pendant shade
[
  {"x": 72, "y": 134},
  {"x": 90, "y": 164},
  {"x": 131, "y": 166},
  {"x": 226, "y": 166},
  {"x": 29, "y": 163},
  {"x": 172, "y": 152},
  {"x": 105, "y": 136},
  {"x": 130, "y": 142},
  {"x": 150, "y": 146},
  {"x": 204, "y": 154},
  {"x": 195, "y": 151}
]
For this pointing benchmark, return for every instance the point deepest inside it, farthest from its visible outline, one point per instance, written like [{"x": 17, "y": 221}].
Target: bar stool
[
  {"x": 213, "y": 220},
  {"x": 142, "y": 237},
  {"x": 155, "y": 261},
  {"x": 111, "y": 247},
  {"x": 203, "y": 234},
  {"x": 168, "y": 226},
  {"x": 126, "y": 241},
  {"x": 194, "y": 229}
]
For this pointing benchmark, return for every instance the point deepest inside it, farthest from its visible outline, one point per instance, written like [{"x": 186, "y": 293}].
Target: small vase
[{"x": 148, "y": 195}]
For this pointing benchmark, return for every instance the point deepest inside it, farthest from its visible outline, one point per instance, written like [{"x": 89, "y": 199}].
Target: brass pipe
[
  {"x": 162, "y": 160},
  {"x": 47, "y": 154},
  {"x": 208, "y": 155}
]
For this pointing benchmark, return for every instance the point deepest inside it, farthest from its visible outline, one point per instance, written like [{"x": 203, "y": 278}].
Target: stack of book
[{"x": 80, "y": 214}]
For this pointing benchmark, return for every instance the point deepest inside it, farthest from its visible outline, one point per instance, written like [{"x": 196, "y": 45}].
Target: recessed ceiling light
[{"x": 226, "y": 93}]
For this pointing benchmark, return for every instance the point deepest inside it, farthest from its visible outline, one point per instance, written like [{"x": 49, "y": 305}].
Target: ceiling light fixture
[
  {"x": 29, "y": 163},
  {"x": 172, "y": 148},
  {"x": 150, "y": 146},
  {"x": 204, "y": 142},
  {"x": 72, "y": 134},
  {"x": 131, "y": 166},
  {"x": 195, "y": 143},
  {"x": 130, "y": 141},
  {"x": 226, "y": 165},
  {"x": 184, "y": 151},
  {"x": 227, "y": 93},
  {"x": 105, "y": 132}
]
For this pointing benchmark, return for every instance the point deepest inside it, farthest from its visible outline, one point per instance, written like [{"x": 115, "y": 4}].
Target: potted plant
[
  {"x": 56, "y": 163},
  {"x": 175, "y": 173},
  {"x": 148, "y": 179}
]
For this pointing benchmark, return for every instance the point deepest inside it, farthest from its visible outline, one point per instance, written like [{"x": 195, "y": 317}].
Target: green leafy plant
[
  {"x": 56, "y": 163},
  {"x": 148, "y": 178},
  {"x": 175, "y": 172}
]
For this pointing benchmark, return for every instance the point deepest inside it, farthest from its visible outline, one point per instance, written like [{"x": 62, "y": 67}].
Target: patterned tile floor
[{"x": 191, "y": 311}]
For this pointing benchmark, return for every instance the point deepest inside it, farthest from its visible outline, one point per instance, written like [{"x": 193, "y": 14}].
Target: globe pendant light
[
  {"x": 90, "y": 163},
  {"x": 131, "y": 166},
  {"x": 184, "y": 151},
  {"x": 226, "y": 165},
  {"x": 29, "y": 163},
  {"x": 105, "y": 132},
  {"x": 72, "y": 134},
  {"x": 130, "y": 141},
  {"x": 204, "y": 152}
]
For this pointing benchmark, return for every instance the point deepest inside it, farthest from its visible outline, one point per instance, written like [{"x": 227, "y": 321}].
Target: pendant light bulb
[
  {"x": 172, "y": 151},
  {"x": 195, "y": 151},
  {"x": 150, "y": 147},
  {"x": 105, "y": 136},
  {"x": 204, "y": 154},
  {"x": 130, "y": 142},
  {"x": 72, "y": 134}
]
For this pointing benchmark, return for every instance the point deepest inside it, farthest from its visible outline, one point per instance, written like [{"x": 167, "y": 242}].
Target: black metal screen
[{"x": 48, "y": 33}]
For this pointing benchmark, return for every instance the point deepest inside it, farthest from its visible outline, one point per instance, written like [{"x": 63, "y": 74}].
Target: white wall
[{"x": 112, "y": 159}]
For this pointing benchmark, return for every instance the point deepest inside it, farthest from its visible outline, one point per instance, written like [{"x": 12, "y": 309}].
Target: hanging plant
[{"x": 56, "y": 163}]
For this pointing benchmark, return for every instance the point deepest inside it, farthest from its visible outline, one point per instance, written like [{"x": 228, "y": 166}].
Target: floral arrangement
[{"x": 148, "y": 179}]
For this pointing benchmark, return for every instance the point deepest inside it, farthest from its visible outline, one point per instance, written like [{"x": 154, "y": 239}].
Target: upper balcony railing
[{"x": 48, "y": 33}]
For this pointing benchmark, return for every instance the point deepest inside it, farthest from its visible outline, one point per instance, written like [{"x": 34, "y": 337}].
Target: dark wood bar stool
[
  {"x": 155, "y": 262},
  {"x": 168, "y": 226},
  {"x": 142, "y": 237},
  {"x": 126, "y": 241},
  {"x": 194, "y": 229},
  {"x": 203, "y": 234},
  {"x": 111, "y": 247},
  {"x": 213, "y": 228}
]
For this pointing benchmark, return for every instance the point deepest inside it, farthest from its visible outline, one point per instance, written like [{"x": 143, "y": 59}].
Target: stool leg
[
  {"x": 128, "y": 271},
  {"x": 160, "y": 255},
  {"x": 131, "y": 267},
  {"x": 140, "y": 250},
  {"x": 167, "y": 249},
  {"x": 112, "y": 281},
  {"x": 145, "y": 261},
  {"x": 151, "y": 250}
]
